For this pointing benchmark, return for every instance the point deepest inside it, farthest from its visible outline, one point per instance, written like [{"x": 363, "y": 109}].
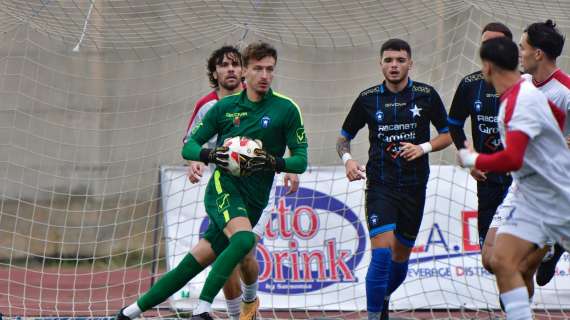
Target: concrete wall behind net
[{"x": 83, "y": 133}]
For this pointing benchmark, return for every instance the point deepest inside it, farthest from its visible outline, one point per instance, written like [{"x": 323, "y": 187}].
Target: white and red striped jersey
[
  {"x": 202, "y": 107},
  {"x": 557, "y": 89},
  {"x": 543, "y": 178}
]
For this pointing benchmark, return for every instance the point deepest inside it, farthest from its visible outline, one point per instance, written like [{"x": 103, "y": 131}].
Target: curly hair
[{"x": 216, "y": 59}]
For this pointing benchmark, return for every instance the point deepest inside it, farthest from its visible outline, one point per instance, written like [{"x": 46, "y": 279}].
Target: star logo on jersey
[
  {"x": 265, "y": 121},
  {"x": 415, "y": 111},
  {"x": 379, "y": 116}
]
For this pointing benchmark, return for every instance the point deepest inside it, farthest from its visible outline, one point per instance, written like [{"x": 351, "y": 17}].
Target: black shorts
[
  {"x": 489, "y": 197},
  {"x": 398, "y": 209}
]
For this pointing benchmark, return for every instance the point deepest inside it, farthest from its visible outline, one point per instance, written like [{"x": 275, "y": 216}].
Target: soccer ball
[{"x": 239, "y": 146}]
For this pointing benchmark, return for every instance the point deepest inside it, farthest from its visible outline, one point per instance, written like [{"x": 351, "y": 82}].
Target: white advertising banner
[{"x": 315, "y": 251}]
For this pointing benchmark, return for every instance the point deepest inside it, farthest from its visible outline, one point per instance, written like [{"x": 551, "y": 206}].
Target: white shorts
[
  {"x": 522, "y": 222},
  {"x": 259, "y": 228},
  {"x": 505, "y": 208}
]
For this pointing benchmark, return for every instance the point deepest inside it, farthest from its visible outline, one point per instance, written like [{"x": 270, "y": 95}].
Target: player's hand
[
  {"x": 568, "y": 141},
  {"x": 260, "y": 161},
  {"x": 291, "y": 182},
  {"x": 478, "y": 174},
  {"x": 410, "y": 151},
  {"x": 195, "y": 171},
  {"x": 219, "y": 156},
  {"x": 354, "y": 171},
  {"x": 466, "y": 157}
]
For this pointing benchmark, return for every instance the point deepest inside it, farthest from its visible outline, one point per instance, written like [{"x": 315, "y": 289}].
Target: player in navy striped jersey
[
  {"x": 478, "y": 100},
  {"x": 398, "y": 113}
]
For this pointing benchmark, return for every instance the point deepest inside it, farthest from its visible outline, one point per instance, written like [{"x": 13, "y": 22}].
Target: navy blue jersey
[
  {"x": 477, "y": 99},
  {"x": 393, "y": 118}
]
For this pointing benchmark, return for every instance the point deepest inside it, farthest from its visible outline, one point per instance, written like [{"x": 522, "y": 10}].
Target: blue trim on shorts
[
  {"x": 378, "y": 230},
  {"x": 407, "y": 242}
]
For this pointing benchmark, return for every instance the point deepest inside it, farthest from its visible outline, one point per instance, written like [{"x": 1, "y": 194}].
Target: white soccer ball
[{"x": 239, "y": 146}]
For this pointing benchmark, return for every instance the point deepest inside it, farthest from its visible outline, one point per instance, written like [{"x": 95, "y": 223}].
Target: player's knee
[
  {"x": 486, "y": 260},
  {"x": 501, "y": 264},
  {"x": 243, "y": 241}
]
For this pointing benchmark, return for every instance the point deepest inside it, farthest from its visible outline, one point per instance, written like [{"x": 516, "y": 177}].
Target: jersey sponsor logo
[
  {"x": 301, "y": 137},
  {"x": 296, "y": 255},
  {"x": 398, "y": 126},
  {"x": 379, "y": 116},
  {"x": 370, "y": 91},
  {"x": 415, "y": 111},
  {"x": 393, "y": 149},
  {"x": 421, "y": 89},
  {"x": 473, "y": 77},
  {"x": 395, "y": 104},
  {"x": 492, "y": 95},
  {"x": 477, "y": 105},
  {"x": 265, "y": 121},
  {"x": 493, "y": 142}
]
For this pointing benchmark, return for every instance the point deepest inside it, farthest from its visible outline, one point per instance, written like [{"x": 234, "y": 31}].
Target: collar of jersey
[
  {"x": 245, "y": 102},
  {"x": 384, "y": 90}
]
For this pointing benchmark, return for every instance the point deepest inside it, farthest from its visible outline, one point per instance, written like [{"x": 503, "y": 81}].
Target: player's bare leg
[{"x": 508, "y": 256}]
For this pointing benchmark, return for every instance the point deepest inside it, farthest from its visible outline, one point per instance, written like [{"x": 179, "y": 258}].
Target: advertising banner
[{"x": 315, "y": 250}]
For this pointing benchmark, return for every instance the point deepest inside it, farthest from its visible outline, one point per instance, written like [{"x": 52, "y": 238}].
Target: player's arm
[
  {"x": 297, "y": 144},
  {"x": 438, "y": 117},
  {"x": 353, "y": 122},
  {"x": 506, "y": 160},
  {"x": 458, "y": 113},
  {"x": 202, "y": 132}
]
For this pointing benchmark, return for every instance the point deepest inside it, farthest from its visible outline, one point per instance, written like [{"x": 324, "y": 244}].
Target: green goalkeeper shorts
[{"x": 224, "y": 202}]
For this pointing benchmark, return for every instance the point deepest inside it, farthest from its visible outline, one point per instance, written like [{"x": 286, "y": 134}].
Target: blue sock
[
  {"x": 377, "y": 279},
  {"x": 398, "y": 274}
]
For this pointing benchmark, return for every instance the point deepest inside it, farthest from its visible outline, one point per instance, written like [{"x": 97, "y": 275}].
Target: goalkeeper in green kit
[{"x": 234, "y": 204}]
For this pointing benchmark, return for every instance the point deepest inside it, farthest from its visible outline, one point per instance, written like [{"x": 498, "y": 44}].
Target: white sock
[
  {"x": 133, "y": 311},
  {"x": 374, "y": 315},
  {"x": 233, "y": 307},
  {"x": 203, "y": 306},
  {"x": 516, "y": 304},
  {"x": 249, "y": 292}
]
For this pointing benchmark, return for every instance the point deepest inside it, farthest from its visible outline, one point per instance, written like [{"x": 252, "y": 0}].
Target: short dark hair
[
  {"x": 546, "y": 37},
  {"x": 258, "y": 50},
  {"x": 498, "y": 27},
  {"x": 500, "y": 51},
  {"x": 216, "y": 59},
  {"x": 396, "y": 45}
]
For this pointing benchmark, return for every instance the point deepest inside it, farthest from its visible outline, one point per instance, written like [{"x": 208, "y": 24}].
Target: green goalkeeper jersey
[{"x": 275, "y": 120}]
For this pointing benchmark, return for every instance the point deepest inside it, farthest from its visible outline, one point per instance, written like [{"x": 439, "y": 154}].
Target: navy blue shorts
[
  {"x": 398, "y": 209},
  {"x": 489, "y": 197}
]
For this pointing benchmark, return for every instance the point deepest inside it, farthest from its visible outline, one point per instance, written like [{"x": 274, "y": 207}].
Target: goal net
[{"x": 95, "y": 96}]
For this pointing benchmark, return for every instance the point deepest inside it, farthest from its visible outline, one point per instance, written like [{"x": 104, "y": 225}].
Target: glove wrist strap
[
  {"x": 205, "y": 155},
  {"x": 279, "y": 164}
]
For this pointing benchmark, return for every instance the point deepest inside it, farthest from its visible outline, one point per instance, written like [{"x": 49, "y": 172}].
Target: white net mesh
[{"x": 95, "y": 97}]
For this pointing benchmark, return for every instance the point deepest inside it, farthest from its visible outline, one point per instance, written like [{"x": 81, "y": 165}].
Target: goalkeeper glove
[
  {"x": 219, "y": 156},
  {"x": 261, "y": 161}
]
